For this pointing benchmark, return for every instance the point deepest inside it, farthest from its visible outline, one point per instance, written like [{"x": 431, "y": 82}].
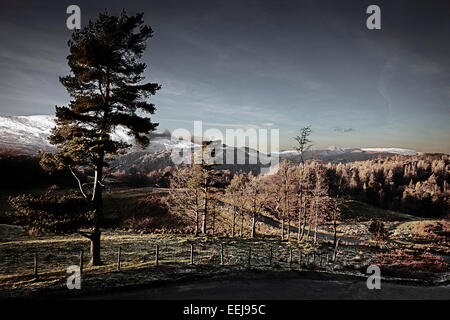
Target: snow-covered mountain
[
  {"x": 30, "y": 134},
  {"x": 333, "y": 151},
  {"x": 406, "y": 152}
]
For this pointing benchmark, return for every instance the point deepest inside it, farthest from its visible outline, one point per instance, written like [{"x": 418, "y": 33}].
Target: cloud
[
  {"x": 344, "y": 130},
  {"x": 216, "y": 124}
]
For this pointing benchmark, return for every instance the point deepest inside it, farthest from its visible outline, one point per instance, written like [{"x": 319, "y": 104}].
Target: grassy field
[
  {"x": 138, "y": 250},
  {"x": 138, "y": 260}
]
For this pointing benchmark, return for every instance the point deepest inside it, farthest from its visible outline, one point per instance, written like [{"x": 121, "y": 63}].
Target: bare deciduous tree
[
  {"x": 256, "y": 200},
  {"x": 186, "y": 195},
  {"x": 235, "y": 192},
  {"x": 303, "y": 145}
]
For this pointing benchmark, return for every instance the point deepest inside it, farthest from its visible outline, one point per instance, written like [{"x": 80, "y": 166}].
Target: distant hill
[{"x": 30, "y": 134}]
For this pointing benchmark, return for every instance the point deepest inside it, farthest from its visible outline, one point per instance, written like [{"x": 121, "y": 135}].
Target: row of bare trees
[
  {"x": 296, "y": 192},
  {"x": 300, "y": 192},
  {"x": 198, "y": 192}
]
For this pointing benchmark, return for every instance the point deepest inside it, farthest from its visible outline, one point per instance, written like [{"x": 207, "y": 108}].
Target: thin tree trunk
[
  {"x": 300, "y": 206},
  {"x": 213, "y": 223},
  {"x": 282, "y": 229},
  {"x": 316, "y": 223},
  {"x": 97, "y": 206},
  {"x": 309, "y": 231},
  {"x": 303, "y": 208},
  {"x": 196, "y": 222},
  {"x": 286, "y": 205},
  {"x": 242, "y": 225},
  {"x": 335, "y": 222},
  {"x": 205, "y": 211},
  {"x": 304, "y": 222},
  {"x": 335, "y": 232},
  {"x": 253, "y": 225},
  {"x": 233, "y": 226},
  {"x": 204, "y": 223},
  {"x": 288, "y": 227},
  {"x": 197, "y": 213},
  {"x": 288, "y": 211},
  {"x": 315, "y": 233}
]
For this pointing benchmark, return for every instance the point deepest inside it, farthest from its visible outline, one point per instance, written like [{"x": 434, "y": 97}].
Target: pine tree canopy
[{"x": 107, "y": 89}]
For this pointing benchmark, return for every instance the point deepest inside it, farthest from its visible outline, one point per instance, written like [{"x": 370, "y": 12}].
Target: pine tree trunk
[{"x": 95, "y": 249}]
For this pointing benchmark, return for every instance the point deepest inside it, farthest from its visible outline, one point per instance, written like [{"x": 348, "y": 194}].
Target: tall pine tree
[{"x": 107, "y": 88}]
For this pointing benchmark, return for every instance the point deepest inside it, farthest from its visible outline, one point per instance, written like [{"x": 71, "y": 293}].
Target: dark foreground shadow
[{"x": 280, "y": 288}]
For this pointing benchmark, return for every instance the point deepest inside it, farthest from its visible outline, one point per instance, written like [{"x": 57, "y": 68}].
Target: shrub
[
  {"x": 434, "y": 231},
  {"x": 376, "y": 229},
  {"x": 133, "y": 179},
  {"x": 408, "y": 262},
  {"x": 50, "y": 212},
  {"x": 152, "y": 214}
]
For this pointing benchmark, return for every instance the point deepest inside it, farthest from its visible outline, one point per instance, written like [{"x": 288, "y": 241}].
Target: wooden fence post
[
  {"x": 118, "y": 258},
  {"x": 157, "y": 255},
  {"x": 35, "y": 266},
  {"x": 249, "y": 255},
  {"x": 192, "y": 254},
  {"x": 300, "y": 258},
  {"x": 221, "y": 253},
  {"x": 314, "y": 258},
  {"x": 81, "y": 262}
]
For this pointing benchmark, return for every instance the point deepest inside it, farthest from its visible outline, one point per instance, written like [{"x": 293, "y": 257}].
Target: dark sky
[{"x": 260, "y": 64}]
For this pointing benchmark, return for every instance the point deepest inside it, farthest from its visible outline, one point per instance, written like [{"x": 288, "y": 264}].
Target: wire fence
[
  {"x": 132, "y": 254},
  {"x": 222, "y": 254}
]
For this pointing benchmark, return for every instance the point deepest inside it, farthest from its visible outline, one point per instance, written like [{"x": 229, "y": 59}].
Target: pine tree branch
[{"x": 79, "y": 183}]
